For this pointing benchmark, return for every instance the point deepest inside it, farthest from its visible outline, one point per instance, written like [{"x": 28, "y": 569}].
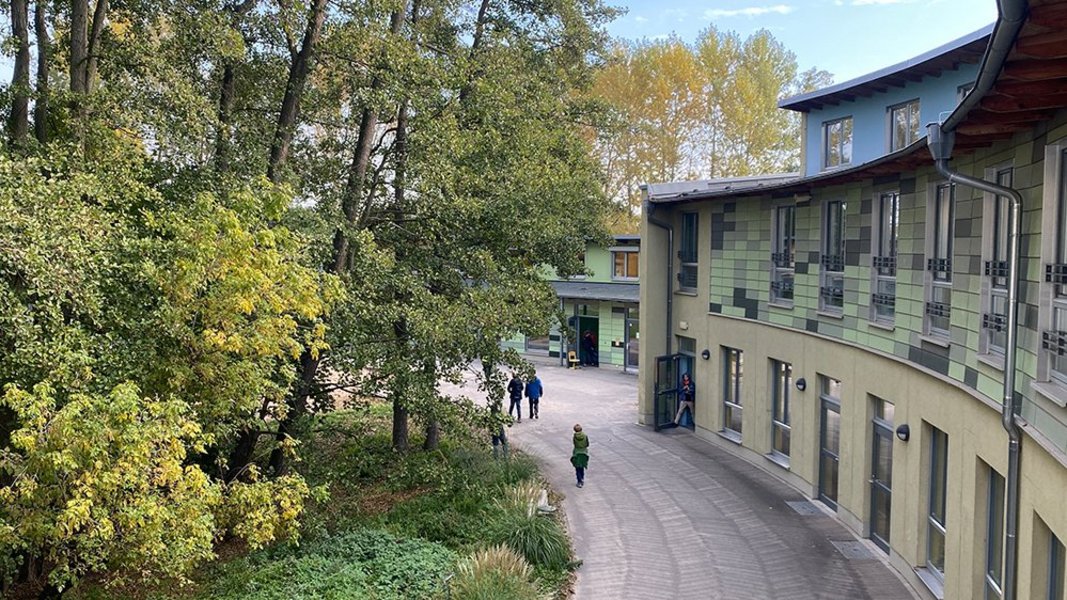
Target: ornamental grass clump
[
  {"x": 495, "y": 573},
  {"x": 540, "y": 539}
]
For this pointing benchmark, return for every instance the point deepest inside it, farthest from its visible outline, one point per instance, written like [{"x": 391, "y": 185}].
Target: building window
[
  {"x": 941, "y": 215},
  {"x": 995, "y": 298},
  {"x": 881, "y": 481},
  {"x": 780, "y": 428},
  {"x": 1056, "y": 553},
  {"x": 935, "y": 529},
  {"x": 733, "y": 372},
  {"x": 832, "y": 273},
  {"x": 994, "y": 545},
  {"x": 837, "y": 143},
  {"x": 1054, "y": 339},
  {"x": 538, "y": 344},
  {"x": 829, "y": 438},
  {"x": 884, "y": 258},
  {"x": 687, "y": 252},
  {"x": 783, "y": 254},
  {"x": 903, "y": 125},
  {"x": 624, "y": 264}
]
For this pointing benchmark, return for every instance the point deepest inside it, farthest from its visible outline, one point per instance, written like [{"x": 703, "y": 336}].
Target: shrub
[
  {"x": 495, "y": 573},
  {"x": 539, "y": 538}
]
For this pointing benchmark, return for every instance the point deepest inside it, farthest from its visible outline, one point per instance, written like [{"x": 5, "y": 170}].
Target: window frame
[
  {"x": 628, "y": 254},
  {"x": 1054, "y": 581},
  {"x": 783, "y": 254},
  {"x": 938, "y": 274},
  {"x": 733, "y": 379},
  {"x": 688, "y": 252},
  {"x": 781, "y": 382},
  {"x": 829, "y": 402},
  {"x": 844, "y": 143},
  {"x": 936, "y": 516},
  {"x": 994, "y": 547},
  {"x": 883, "y": 258},
  {"x": 914, "y": 108},
  {"x": 1053, "y": 306},
  {"x": 995, "y": 252},
  {"x": 831, "y": 265}
]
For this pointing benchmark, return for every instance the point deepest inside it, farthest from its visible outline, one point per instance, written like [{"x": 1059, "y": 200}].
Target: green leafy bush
[
  {"x": 494, "y": 574},
  {"x": 366, "y": 564}
]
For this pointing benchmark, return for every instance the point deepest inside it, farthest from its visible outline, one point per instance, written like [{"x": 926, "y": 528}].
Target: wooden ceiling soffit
[
  {"x": 1052, "y": 44},
  {"x": 1052, "y": 16},
  {"x": 1031, "y": 88},
  {"x": 1028, "y": 117},
  {"x": 1006, "y": 104},
  {"x": 1035, "y": 70},
  {"x": 991, "y": 128}
]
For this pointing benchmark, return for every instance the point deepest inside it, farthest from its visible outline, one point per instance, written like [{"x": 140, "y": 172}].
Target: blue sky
[{"x": 848, "y": 38}]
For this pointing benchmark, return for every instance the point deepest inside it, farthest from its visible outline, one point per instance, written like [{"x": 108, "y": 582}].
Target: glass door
[
  {"x": 666, "y": 400},
  {"x": 633, "y": 344},
  {"x": 882, "y": 473},
  {"x": 829, "y": 449}
]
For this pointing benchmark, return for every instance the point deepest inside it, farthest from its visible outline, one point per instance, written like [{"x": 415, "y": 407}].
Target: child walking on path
[{"x": 580, "y": 455}]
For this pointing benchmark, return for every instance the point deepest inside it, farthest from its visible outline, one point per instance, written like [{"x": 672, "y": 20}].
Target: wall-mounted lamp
[
  {"x": 903, "y": 432},
  {"x": 706, "y": 354},
  {"x": 802, "y": 384}
]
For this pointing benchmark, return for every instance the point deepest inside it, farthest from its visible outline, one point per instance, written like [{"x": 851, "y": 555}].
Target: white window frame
[
  {"x": 630, "y": 253},
  {"x": 781, "y": 383},
  {"x": 884, "y": 256},
  {"x": 938, "y": 274},
  {"x": 996, "y": 226},
  {"x": 689, "y": 262},
  {"x": 845, "y": 143},
  {"x": 913, "y": 114},
  {"x": 832, "y": 266},
  {"x": 783, "y": 255},
  {"x": 1053, "y": 303},
  {"x": 732, "y": 389}
]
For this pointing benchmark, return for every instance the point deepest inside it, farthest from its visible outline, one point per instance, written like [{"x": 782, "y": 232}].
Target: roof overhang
[{"x": 607, "y": 292}]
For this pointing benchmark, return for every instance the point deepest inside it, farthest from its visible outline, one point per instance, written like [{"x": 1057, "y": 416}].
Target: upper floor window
[
  {"x": 832, "y": 273},
  {"x": 1054, "y": 339},
  {"x": 995, "y": 287},
  {"x": 884, "y": 258},
  {"x": 941, "y": 216},
  {"x": 687, "y": 251},
  {"x": 624, "y": 264},
  {"x": 837, "y": 142},
  {"x": 903, "y": 125},
  {"x": 783, "y": 253}
]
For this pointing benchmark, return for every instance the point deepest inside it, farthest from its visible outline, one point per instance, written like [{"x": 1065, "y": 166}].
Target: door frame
[
  {"x": 879, "y": 429},
  {"x": 665, "y": 394}
]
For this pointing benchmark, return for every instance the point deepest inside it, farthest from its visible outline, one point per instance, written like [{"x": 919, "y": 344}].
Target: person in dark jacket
[
  {"x": 534, "y": 390},
  {"x": 686, "y": 399},
  {"x": 515, "y": 395},
  {"x": 580, "y": 455}
]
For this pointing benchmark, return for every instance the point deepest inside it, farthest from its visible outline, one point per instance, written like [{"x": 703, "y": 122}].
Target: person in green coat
[{"x": 580, "y": 455}]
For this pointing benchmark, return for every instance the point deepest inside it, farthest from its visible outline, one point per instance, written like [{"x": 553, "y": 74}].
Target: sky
[{"x": 848, "y": 38}]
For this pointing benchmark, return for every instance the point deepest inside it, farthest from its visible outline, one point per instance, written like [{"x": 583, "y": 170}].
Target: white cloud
[
  {"x": 879, "y": 2},
  {"x": 752, "y": 11},
  {"x": 641, "y": 19}
]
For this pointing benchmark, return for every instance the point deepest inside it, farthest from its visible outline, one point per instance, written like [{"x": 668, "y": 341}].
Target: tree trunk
[
  {"x": 223, "y": 136},
  {"x": 18, "y": 124},
  {"x": 298, "y": 402},
  {"x": 357, "y": 172},
  {"x": 44, "y": 57},
  {"x": 401, "y": 440},
  {"x": 476, "y": 44},
  {"x": 242, "y": 453},
  {"x": 433, "y": 436},
  {"x": 294, "y": 90},
  {"x": 92, "y": 55},
  {"x": 79, "y": 45}
]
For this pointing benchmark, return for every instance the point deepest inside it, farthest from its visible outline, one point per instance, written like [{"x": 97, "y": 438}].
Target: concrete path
[{"x": 670, "y": 516}]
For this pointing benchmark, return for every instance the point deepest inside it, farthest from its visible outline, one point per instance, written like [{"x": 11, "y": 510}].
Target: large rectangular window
[
  {"x": 687, "y": 252},
  {"x": 829, "y": 438},
  {"x": 1054, "y": 339},
  {"x": 995, "y": 300},
  {"x": 733, "y": 372},
  {"x": 624, "y": 264},
  {"x": 884, "y": 258},
  {"x": 832, "y": 273},
  {"x": 994, "y": 545},
  {"x": 935, "y": 530},
  {"x": 1056, "y": 554},
  {"x": 941, "y": 215},
  {"x": 782, "y": 373},
  {"x": 903, "y": 125},
  {"x": 837, "y": 143},
  {"x": 783, "y": 254}
]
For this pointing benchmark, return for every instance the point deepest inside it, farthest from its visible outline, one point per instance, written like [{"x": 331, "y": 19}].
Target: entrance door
[
  {"x": 882, "y": 473},
  {"x": 589, "y": 354},
  {"x": 632, "y": 343},
  {"x": 665, "y": 403}
]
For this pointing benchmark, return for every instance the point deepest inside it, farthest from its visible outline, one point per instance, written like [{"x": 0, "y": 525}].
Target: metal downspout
[
  {"x": 940, "y": 144},
  {"x": 648, "y": 207}
]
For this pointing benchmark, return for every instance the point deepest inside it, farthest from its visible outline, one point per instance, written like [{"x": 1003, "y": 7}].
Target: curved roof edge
[{"x": 797, "y": 102}]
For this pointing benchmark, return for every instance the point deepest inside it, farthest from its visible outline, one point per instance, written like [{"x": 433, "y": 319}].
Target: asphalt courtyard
[{"x": 670, "y": 516}]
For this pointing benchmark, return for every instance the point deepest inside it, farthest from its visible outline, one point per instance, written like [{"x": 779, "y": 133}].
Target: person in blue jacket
[
  {"x": 687, "y": 394},
  {"x": 534, "y": 390}
]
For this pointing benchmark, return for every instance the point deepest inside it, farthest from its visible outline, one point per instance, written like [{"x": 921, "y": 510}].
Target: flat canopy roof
[
  {"x": 581, "y": 290},
  {"x": 968, "y": 49}
]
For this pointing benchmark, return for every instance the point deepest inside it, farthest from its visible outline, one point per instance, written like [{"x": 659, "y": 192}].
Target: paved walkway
[{"x": 670, "y": 516}]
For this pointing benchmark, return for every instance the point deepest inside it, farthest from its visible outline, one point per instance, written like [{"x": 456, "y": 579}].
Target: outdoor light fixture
[
  {"x": 903, "y": 432},
  {"x": 706, "y": 354},
  {"x": 802, "y": 384}
]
